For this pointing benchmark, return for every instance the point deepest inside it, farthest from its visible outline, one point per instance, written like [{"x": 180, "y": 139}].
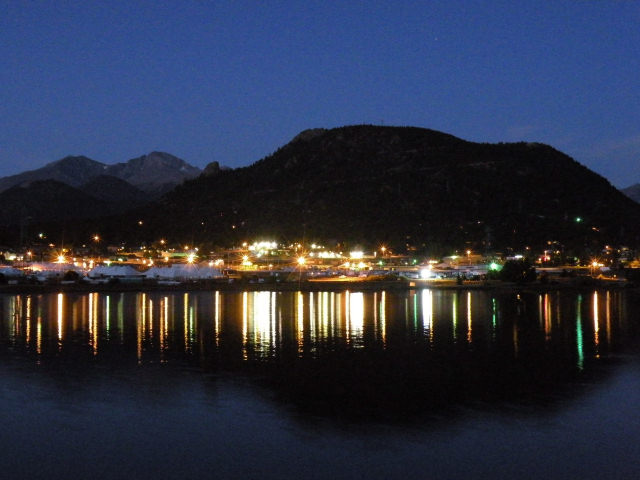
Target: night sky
[{"x": 233, "y": 81}]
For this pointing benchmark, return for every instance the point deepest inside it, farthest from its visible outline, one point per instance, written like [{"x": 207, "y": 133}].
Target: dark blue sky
[{"x": 233, "y": 81}]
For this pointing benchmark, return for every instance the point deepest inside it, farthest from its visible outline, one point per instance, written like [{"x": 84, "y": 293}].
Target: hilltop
[{"x": 412, "y": 188}]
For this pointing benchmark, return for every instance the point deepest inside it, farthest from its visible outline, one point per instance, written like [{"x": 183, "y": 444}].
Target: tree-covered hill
[{"x": 408, "y": 187}]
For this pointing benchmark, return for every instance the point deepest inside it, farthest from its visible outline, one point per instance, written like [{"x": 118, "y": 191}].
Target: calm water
[{"x": 420, "y": 384}]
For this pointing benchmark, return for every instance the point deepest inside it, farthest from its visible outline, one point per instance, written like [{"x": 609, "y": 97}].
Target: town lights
[{"x": 301, "y": 261}]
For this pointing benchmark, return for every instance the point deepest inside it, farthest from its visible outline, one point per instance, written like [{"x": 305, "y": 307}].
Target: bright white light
[
  {"x": 426, "y": 272},
  {"x": 357, "y": 254}
]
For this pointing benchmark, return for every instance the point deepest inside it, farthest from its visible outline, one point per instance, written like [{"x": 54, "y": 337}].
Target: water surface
[{"x": 419, "y": 384}]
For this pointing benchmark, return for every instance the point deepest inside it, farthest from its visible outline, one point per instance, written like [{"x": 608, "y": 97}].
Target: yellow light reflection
[
  {"x": 140, "y": 322},
  {"x": 245, "y": 326},
  {"x": 28, "y": 319},
  {"x": 93, "y": 322},
  {"x": 216, "y": 317},
  {"x": 547, "y": 316},
  {"x": 166, "y": 318},
  {"x": 163, "y": 322},
  {"x": 300, "y": 321},
  {"x": 325, "y": 316},
  {"x": 39, "y": 336},
  {"x": 185, "y": 319}
]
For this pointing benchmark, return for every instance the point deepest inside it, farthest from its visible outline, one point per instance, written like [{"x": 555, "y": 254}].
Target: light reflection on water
[
  {"x": 456, "y": 384},
  {"x": 267, "y": 322}
]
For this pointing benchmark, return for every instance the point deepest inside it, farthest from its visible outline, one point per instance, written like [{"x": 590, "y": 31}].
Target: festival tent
[
  {"x": 183, "y": 272},
  {"x": 115, "y": 271}
]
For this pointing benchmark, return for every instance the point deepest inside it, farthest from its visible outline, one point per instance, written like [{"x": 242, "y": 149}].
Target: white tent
[
  {"x": 181, "y": 272},
  {"x": 114, "y": 271}
]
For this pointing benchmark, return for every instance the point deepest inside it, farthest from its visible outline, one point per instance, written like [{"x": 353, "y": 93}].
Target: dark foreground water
[{"x": 424, "y": 384}]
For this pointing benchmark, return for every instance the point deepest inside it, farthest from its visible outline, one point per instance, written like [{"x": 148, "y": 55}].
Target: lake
[{"x": 416, "y": 384}]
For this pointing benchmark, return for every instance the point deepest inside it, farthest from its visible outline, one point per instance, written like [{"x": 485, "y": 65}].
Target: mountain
[
  {"x": 73, "y": 171},
  {"x": 409, "y": 188},
  {"x": 154, "y": 173},
  {"x": 633, "y": 192}
]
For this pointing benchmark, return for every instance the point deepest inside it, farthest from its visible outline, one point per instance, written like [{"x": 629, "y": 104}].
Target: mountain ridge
[
  {"x": 633, "y": 192},
  {"x": 154, "y": 173}
]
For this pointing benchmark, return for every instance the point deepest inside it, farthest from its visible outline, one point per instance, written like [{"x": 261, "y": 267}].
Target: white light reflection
[
  {"x": 262, "y": 318},
  {"x": 355, "y": 319},
  {"x": 259, "y": 322},
  {"x": 107, "y": 313},
  {"x": 60, "y": 318},
  {"x": 454, "y": 315},
  {"x": 469, "y": 329},
  {"x": 326, "y": 314},
  {"x": 216, "y": 317},
  {"x": 427, "y": 313}
]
